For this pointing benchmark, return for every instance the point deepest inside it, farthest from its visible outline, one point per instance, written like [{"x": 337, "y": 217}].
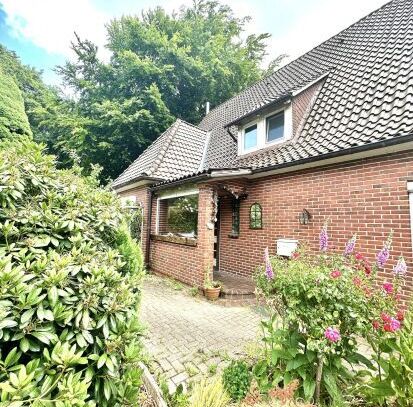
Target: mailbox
[{"x": 286, "y": 247}]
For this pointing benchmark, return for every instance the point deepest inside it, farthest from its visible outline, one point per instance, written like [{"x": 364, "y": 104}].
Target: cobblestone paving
[{"x": 189, "y": 337}]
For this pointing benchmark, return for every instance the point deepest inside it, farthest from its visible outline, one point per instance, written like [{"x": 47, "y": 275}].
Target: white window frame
[
  {"x": 261, "y": 123},
  {"x": 410, "y": 192},
  {"x": 169, "y": 195}
]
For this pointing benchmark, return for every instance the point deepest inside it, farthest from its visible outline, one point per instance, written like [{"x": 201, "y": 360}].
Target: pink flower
[
  {"x": 391, "y": 326},
  {"x": 384, "y": 254},
  {"x": 324, "y": 238},
  {"x": 359, "y": 256},
  {"x": 357, "y": 281},
  {"x": 385, "y": 317},
  {"x": 400, "y": 269},
  {"x": 376, "y": 324},
  {"x": 335, "y": 274},
  {"x": 268, "y": 267},
  {"x": 332, "y": 334},
  {"x": 400, "y": 315},
  {"x": 388, "y": 287},
  {"x": 350, "y": 245}
]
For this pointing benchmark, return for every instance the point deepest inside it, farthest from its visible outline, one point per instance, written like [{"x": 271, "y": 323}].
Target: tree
[
  {"x": 13, "y": 119},
  {"x": 162, "y": 67}
]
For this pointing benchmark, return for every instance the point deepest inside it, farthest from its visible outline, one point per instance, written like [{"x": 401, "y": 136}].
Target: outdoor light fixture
[{"x": 304, "y": 217}]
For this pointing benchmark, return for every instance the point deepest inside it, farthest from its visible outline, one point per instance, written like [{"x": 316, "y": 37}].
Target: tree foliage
[
  {"x": 13, "y": 119},
  {"x": 69, "y": 287},
  {"x": 162, "y": 66}
]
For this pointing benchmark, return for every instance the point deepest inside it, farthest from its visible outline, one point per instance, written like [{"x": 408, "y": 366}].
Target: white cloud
[{"x": 50, "y": 24}]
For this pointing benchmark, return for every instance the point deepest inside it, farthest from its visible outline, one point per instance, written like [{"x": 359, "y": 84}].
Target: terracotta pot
[{"x": 212, "y": 294}]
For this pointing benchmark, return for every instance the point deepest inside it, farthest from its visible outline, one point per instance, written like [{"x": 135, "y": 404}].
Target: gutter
[{"x": 339, "y": 153}]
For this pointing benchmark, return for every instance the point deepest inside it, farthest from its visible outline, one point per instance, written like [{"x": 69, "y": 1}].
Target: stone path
[{"x": 189, "y": 337}]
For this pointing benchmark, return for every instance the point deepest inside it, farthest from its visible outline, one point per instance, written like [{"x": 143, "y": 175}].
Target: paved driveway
[{"x": 189, "y": 337}]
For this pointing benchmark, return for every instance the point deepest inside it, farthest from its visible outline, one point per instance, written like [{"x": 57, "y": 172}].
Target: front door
[{"x": 216, "y": 239}]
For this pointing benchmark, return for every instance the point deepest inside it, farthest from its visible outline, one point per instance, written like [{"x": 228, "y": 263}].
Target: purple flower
[
  {"x": 268, "y": 267},
  {"x": 401, "y": 268},
  {"x": 350, "y": 245},
  {"x": 332, "y": 334},
  {"x": 324, "y": 238},
  {"x": 384, "y": 254}
]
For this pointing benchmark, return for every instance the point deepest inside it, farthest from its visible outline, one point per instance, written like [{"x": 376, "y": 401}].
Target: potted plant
[{"x": 212, "y": 288}]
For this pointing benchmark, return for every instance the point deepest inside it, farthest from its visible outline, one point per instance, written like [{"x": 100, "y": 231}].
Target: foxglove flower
[
  {"x": 324, "y": 238},
  {"x": 384, "y": 254},
  {"x": 335, "y": 274},
  {"x": 401, "y": 268},
  {"x": 332, "y": 334},
  {"x": 268, "y": 267},
  {"x": 350, "y": 245}
]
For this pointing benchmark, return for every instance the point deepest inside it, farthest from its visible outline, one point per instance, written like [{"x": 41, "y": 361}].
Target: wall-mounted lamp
[{"x": 304, "y": 217}]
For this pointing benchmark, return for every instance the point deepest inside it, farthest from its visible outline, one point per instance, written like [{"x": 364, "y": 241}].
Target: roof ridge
[
  {"x": 192, "y": 125},
  {"x": 265, "y": 77},
  {"x": 165, "y": 147}
]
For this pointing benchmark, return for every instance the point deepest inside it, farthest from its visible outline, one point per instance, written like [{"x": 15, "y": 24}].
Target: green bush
[
  {"x": 69, "y": 287},
  {"x": 236, "y": 379},
  {"x": 322, "y": 306},
  {"x": 13, "y": 119}
]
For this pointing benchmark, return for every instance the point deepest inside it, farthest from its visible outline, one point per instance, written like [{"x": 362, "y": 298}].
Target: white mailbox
[{"x": 286, "y": 247}]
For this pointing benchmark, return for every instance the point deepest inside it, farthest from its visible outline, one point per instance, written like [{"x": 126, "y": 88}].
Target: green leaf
[
  {"x": 12, "y": 357},
  {"x": 101, "y": 360},
  {"x": 309, "y": 388},
  {"x": 24, "y": 345},
  {"x": 7, "y": 323}
]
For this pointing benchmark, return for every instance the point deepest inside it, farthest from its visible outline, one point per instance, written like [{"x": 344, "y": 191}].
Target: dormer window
[
  {"x": 275, "y": 127},
  {"x": 250, "y": 138},
  {"x": 271, "y": 128}
]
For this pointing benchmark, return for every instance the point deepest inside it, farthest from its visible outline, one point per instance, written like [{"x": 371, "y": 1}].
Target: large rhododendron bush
[
  {"x": 329, "y": 314},
  {"x": 69, "y": 287}
]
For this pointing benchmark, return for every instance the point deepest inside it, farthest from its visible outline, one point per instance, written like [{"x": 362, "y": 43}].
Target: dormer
[
  {"x": 276, "y": 121},
  {"x": 267, "y": 129}
]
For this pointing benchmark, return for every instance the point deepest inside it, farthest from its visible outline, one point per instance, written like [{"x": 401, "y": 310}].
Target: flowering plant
[{"x": 327, "y": 301}]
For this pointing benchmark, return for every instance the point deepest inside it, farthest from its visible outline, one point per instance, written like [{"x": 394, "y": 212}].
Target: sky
[{"x": 40, "y": 31}]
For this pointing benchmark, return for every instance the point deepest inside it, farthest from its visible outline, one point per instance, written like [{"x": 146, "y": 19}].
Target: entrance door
[{"x": 216, "y": 239}]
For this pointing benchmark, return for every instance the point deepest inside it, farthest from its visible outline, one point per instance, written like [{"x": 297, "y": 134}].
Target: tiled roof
[
  {"x": 176, "y": 152},
  {"x": 366, "y": 97}
]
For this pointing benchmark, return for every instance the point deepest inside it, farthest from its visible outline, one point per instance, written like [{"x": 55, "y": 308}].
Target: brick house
[{"x": 328, "y": 136}]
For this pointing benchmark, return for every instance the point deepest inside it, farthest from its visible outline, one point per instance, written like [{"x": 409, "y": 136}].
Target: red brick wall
[
  {"x": 187, "y": 263},
  {"x": 368, "y": 197}
]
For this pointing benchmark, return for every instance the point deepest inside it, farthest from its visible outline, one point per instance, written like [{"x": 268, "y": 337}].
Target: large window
[
  {"x": 275, "y": 127},
  {"x": 250, "y": 137},
  {"x": 178, "y": 215}
]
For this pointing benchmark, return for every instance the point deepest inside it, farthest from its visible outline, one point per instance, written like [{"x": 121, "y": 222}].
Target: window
[
  {"x": 275, "y": 127},
  {"x": 235, "y": 218},
  {"x": 178, "y": 215},
  {"x": 265, "y": 130},
  {"x": 250, "y": 137},
  {"x": 256, "y": 216}
]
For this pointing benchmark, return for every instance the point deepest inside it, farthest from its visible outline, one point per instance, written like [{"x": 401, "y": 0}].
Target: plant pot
[{"x": 212, "y": 293}]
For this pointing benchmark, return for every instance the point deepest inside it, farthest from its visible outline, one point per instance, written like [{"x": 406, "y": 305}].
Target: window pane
[
  {"x": 182, "y": 215},
  {"x": 250, "y": 137},
  {"x": 275, "y": 127}
]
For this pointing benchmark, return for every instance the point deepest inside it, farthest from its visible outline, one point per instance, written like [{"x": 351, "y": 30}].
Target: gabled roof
[
  {"x": 176, "y": 152},
  {"x": 366, "y": 96}
]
